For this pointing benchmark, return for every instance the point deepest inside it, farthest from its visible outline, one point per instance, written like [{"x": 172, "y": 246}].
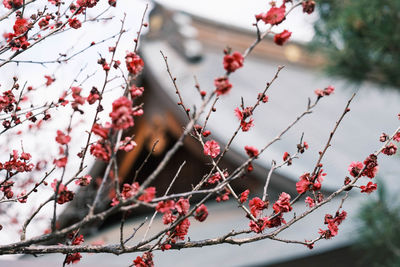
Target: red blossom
[
  {"x": 74, "y": 23},
  {"x": 201, "y": 213},
  {"x": 333, "y": 223},
  {"x": 224, "y": 196},
  {"x": 371, "y": 166},
  {"x": 86, "y": 3},
  {"x": 308, "y": 6},
  {"x": 20, "y": 26},
  {"x": 182, "y": 206},
  {"x": 100, "y": 130},
  {"x": 165, "y": 206},
  {"x": 274, "y": 16},
  {"x": 214, "y": 178},
  {"x": 310, "y": 202},
  {"x": 49, "y": 80},
  {"x": 259, "y": 226},
  {"x": 246, "y": 125},
  {"x": 73, "y": 258},
  {"x": 223, "y": 86},
  {"x": 256, "y": 206},
  {"x": 181, "y": 229},
  {"x": 282, "y": 37},
  {"x": 134, "y": 63},
  {"x": 369, "y": 188},
  {"x": 390, "y": 149},
  {"x": 84, "y": 181},
  {"x": 148, "y": 195},
  {"x": 244, "y": 195},
  {"x": 101, "y": 151},
  {"x": 211, "y": 148},
  {"x": 62, "y": 138},
  {"x": 78, "y": 240},
  {"x": 145, "y": 261},
  {"x": 233, "y": 62},
  {"x": 129, "y": 191},
  {"x": 121, "y": 114},
  {"x": 168, "y": 217},
  {"x": 303, "y": 185},
  {"x": 127, "y": 144},
  {"x": 327, "y": 91},
  {"x": 396, "y": 137},
  {"x": 93, "y": 96},
  {"x": 251, "y": 151},
  {"x": 282, "y": 204},
  {"x": 10, "y": 4},
  {"x": 61, "y": 162},
  {"x": 286, "y": 156},
  {"x": 355, "y": 168},
  {"x": 64, "y": 195},
  {"x": 136, "y": 91},
  {"x": 22, "y": 196}
]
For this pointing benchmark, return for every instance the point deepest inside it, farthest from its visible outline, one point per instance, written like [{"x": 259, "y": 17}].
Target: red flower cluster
[
  {"x": 10, "y": 4},
  {"x": 396, "y": 137},
  {"x": 274, "y": 16},
  {"x": 6, "y": 188},
  {"x": 62, "y": 138},
  {"x": 272, "y": 222},
  {"x": 282, "y": 37},
  {"x": 127, "y": 144},
  {"x": 148, "y": 194},
  {"x": 310, "y": 202},
  {"x": 7, "y": 100},
  {"x": 282, "y": 204},
  {"x": 233, "y": 61},
  {"x": 371, "y": 166},
  {"x": 201, "y": 213},
  {"x": 333, "y": 223},
  {"x": 355, "y": 168},
  {"x": 136, "y": 91},
  {"x": 21, "y": 28},
  {"x": 223, "y": 86},
  {"x": 145, "y": 261},
  {"x": 134, "y": 63},
  {"x": 257, "y": 206},
  {"x": 214, "y": 178},
  {"x": 243, "y": 116},
  {"x": 84, "y": 181},
  {"x": 93, "y": 96},
  {"x": 244, "y": 196},
  {"x": 73, "y": 258},
  {"x": 100, "y": 130},
  {"x": 307, "y": 182},
  {"x": 369, "y": 188},
  {"x": 101, "y": 150},
  {"x": 390, "y": 149},
  {"x": 18, "y": 163},
  {"x": 121, "y": 114},
  {"x": 251, "y": 151},
  {"x": 308, "y": 6},
  {"x": 86, "y": 3},
  {"x": 327, "y": 91},
  {"x": 211, "y": 148},
  {"x": 224, "y": 196},
  {"x": 64, "y": 195},
  {"x": 74, "y": 23}
]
